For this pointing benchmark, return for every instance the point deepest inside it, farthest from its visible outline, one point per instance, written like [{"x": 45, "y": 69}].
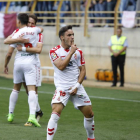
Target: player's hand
[
  {"x": 6, "y": 70},
  {"x": 73, "y": 48},
  {"x": 23, "y": 40},
  {"x": 19, "y": 47},
  {"x": 73, "y": 91}
]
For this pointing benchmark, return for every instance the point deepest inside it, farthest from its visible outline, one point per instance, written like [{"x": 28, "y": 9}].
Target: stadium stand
[{"x": 59, "y": 13}]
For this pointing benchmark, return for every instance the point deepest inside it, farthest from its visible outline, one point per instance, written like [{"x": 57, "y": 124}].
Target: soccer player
[
  {"x": 24, "y": 67},
  {"x": 69, "y": 72},
  {"x": 37, "y": 50}
]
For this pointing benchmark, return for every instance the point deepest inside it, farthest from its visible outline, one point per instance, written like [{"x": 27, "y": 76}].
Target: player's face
[
  {"x": 31, "y": 22},
  {"x": 119, "y": 32},
  {"x": 68, "y": 38}
]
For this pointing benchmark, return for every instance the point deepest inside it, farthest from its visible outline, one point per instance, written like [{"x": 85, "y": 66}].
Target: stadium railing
[
  {"x": 46, "y": 70},
  {"x": 85, "y": 18}
]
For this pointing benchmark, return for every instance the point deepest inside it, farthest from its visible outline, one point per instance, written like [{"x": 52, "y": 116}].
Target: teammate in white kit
[
  {"x": 37, "y": 50},
  {"x": 69, "y": 72},
  {"x": 24, "y": 67}
]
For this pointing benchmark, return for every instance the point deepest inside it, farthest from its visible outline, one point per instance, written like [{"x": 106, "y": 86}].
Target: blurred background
[{"x": 93, "y": 21}]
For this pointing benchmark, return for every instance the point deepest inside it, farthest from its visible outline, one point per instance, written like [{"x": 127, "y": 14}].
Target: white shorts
[
  {"x": 25, "y": 73},
  {"x": 80, "y": 99},
  {"x": 38, "y": 76}
]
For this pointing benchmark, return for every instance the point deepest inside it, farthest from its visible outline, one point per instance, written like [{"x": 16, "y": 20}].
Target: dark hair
[
  {"x": 64, "y": 29},
  {"x": 23, "y": 18},
  {"x": 33, "y": 16}
]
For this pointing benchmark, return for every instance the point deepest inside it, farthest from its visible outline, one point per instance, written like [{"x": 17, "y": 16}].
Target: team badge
[{"x": 75, "y": 56}]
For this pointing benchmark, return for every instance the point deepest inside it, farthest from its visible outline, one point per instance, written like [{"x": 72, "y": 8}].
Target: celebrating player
[
  {"x": 24, "y": 67},
  {"x": 69, "y": 72},
  {"x": 37, "y": 50}
]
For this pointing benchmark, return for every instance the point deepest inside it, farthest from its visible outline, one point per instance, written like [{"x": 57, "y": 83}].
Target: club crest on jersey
[
  {"x": 53, "y": 56},
  {"x": 75, "y": 56}
]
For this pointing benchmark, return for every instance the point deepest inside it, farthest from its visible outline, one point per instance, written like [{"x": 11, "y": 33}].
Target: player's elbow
[
  {"x": 61, "y": 68},
  {"x": 38, "y": 51}
]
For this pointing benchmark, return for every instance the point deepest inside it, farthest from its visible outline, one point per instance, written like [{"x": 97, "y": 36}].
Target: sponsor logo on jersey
[
  {"x": 81, "y": 96},
  {"x": 26, "y": 54},
  {"x": 86, "y": 101}
]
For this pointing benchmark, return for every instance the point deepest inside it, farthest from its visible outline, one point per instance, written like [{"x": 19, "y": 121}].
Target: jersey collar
[{"x": 67, "y": 50}]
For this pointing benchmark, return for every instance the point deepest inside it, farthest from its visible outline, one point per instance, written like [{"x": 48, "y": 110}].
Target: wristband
[
  {"x": 24, "y": 49},
  {"x": 77, "y": 85}
]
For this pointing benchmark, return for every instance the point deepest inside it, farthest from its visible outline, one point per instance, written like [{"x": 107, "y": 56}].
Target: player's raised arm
[
  {"x": 10, "y": 40},
  {"x": 60, "y": 63},
  {"x": 36, "y": 49}
]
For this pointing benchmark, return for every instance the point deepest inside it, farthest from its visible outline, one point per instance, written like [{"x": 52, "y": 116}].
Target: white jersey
[
  {"x": 27, "y": 32},
  {"x": 40, "y": 40},
  {"x": 69, "y": 76}
]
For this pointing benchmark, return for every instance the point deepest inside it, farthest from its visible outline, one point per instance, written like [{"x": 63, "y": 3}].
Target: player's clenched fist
[{"x": 73, "y": 48}]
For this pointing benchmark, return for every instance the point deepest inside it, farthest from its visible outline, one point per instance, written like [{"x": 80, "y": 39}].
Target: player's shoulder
[
  {"x": 55, "y": 48},
  {"x": 16, "y": 32},
  {"x": 79, "y": 50}
]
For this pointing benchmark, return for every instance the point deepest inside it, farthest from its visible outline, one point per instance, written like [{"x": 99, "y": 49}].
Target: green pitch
[{"x": 117, "y": 115}]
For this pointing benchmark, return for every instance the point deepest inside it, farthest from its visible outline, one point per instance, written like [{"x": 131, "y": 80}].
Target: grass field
[{"x": 117, "y": 115}]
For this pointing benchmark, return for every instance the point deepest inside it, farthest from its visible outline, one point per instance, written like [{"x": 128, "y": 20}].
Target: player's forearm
[
  {"x": 11, "y": 41},
  {"x": 7, "y": 59},
  {"x": 63, "y": 63},
  {"x": 34, "y": 50},
  {"x": 82, "y": 75}
]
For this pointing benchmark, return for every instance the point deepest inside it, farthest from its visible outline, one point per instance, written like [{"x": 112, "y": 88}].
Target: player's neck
[
  {"x": 64, "y": 46},
  {"x": 22, "y": 26}
]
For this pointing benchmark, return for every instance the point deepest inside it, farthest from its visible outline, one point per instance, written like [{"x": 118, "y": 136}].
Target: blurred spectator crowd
[{"x": 68, "y": 5}]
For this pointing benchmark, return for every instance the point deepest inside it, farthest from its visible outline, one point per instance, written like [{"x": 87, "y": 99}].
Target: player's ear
[{"x": 62, "y": 38}]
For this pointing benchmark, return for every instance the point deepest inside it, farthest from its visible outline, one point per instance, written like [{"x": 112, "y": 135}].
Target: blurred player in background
[
  {"x": 32, "y": 23},
  {"x": 69, "y": 72},
  {"x": 24, "y": 67}
]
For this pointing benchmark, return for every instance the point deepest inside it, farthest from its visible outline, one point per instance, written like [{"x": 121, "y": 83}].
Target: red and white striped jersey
[
  {"x": 69, "y": 76},
  {"x": 26, "y": 32}
]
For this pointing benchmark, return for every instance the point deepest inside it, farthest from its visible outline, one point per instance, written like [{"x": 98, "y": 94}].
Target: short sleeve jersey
[
  {"x": 69, "y": 76},
  {"x": 27, "y": 32},
  {"x": 40, "y": 40}
]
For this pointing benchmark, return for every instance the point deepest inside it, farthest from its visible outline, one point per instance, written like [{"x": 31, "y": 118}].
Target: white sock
[
  {"x": 52, "y": 125},
  {"x": 12, "y": 100},
  {"x": 32, "y": 101},
  {"x": 38, "y": 106},
  {"x": 89, "y": 126}
]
